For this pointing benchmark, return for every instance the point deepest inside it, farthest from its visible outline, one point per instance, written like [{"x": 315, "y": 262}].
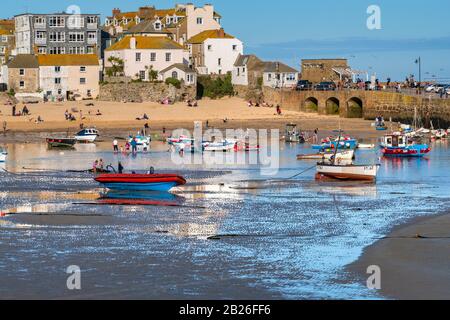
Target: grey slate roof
[
  {"x": 180, "y": 66},
  {"x": 24, "y": 61},
  {"x": 272, "y": 67},
  {"x": 145, "y": 26},
  {"x": 242, "y": 60}
]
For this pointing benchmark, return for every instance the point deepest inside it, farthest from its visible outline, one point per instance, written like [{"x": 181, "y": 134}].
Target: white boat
[
  {"x": 87, "y": 135},
  {"x": 347, "y": 172},
  {"x": 342, "y": 155},
  {"x": 366, "y": 146},
  {"x": 3, "y": 155},
  {"x": 224, "y": 146}
]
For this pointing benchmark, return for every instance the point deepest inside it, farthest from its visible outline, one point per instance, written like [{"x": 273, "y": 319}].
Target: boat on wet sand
[
  {"x": 87, "y": 135},
  {"x": 61, "y": 142},
  {"x": 347, "y": 172},
  {"x": 140, "y": 182}
]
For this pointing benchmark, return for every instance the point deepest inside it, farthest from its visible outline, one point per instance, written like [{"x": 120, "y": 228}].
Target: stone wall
[
  {"x": 144, "y": 92},
  {"x": 365, "y": 104}
]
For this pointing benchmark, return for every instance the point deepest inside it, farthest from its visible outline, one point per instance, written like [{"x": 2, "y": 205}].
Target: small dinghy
[
  {"x": 140, "y": 182},
  {"x": 347, "y": 172},
  {"x": 366, "y": 146}
]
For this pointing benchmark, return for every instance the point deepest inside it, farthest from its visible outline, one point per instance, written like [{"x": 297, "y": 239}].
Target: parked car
[
  {"x": 430, "y": 88},
  {"x": 325, "y": 86},
  {"x": 439, "y": 87},
  {"x": 303, "y": 85}
]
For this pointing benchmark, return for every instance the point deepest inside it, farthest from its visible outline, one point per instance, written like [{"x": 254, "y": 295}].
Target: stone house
[
  {"x": 214, "y": 51},
  {"x": 318, "y": 70},
  {"x": 277, "y": 75},
  {"x": 247, "y": 70},
  {"x": 141, "y": 54},
  {"x": 181, "y": 72},
  {"x": 69, "y": 76},
  {"x": 23, "y": 74}
]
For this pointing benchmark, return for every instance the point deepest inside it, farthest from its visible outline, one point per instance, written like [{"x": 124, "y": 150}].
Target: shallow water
[{"x": 278, "y": 239}]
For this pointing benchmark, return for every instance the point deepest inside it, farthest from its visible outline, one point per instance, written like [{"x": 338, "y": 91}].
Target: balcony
[
  {"x": 92, "y": 41},
  {"x": 41, "y": 41},
  {"x": 92, "y": 26},
  {"x": 41, "y": 25}
]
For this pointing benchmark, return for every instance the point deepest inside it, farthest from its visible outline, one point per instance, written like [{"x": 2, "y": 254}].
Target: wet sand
[{"x": 414, "y": 260}]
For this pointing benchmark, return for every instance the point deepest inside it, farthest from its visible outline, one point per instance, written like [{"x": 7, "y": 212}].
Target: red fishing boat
[{"x": 140, "y": 182}]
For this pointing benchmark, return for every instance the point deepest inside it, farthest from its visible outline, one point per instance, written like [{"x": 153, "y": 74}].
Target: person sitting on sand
[
  {"x": 67, "y": 115},
  {"x": 195, "y": 104},
  {"x": 98, "y": 112},
  {"x": 189, "y": 103},
  {"x": 279, "y": 110},
  {"x": 39, "y": 119},
  {"x": 25, "y": 111}
]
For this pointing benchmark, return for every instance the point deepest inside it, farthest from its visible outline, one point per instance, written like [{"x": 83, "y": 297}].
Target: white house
[
  {"x": 277, "y": 75},
  {"x": 247, "y": 70},
  {"x": 181, "y": 72},
  {"x": 141, "y": 54},
  {"x": 214, "y": 51}
]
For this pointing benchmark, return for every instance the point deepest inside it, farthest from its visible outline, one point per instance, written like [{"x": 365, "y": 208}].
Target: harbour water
[{"x": 225, "y": 235}]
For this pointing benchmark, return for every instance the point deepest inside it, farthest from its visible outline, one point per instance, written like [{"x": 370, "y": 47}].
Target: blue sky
[{"x": 290, "y": 30}]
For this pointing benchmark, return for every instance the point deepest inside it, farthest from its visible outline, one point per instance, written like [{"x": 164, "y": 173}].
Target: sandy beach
[
  {"x": 117, "y": 116},
  {"x": 414, "y": 260}
]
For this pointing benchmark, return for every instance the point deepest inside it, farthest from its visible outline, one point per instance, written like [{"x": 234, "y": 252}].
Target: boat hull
[
  {"x": 417, "y": 152},
  {"x": 3, "y": 156},
  {"x": 136, "y": 182},
  {"x": 347, "y": 172},
  {"x": 91, "y": 138},
  {"x": 345, "y": 155},
  {"x": 61, "y": 142}
]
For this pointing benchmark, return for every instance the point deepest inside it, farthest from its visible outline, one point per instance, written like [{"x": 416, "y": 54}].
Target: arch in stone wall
[
  {"x": 332, "y": 106},
  {"x": 354, "y": 108},
  {"x": 311, "y": 104}
]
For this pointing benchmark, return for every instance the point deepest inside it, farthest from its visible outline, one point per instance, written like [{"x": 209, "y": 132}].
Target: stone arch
[
  {"x": 332, "y": 106},
  {"x": 311, "y": 104},
  {"x": 354, "y": 108}
]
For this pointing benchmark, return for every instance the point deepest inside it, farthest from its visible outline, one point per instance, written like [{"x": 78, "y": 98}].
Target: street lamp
[{"x": 419, "y": 62}]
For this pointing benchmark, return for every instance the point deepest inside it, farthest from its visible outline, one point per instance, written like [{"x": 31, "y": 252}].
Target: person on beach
[
  {"x": 127, "y": 147},
  {"x": 101, "y": 165},
  {"x": 116, "y": 146},
  {"x": 25, "y": 111},
  {"x": 134, "y": 146},
  {"x": 120, "y": 167},
  {"x": 316, "y": 136},
  {"x": 14, "y": 110},
  {"x": 67, "y": 115},
  {"x": 278, "y": 110},
  {"x": 94, "y": 166}
]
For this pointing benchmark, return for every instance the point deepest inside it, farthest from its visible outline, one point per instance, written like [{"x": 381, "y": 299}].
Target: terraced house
[
  {"x": 179, "y": 23},
  {"x": 141, "y": 54},
  {"x": 59, "y": 33},
  {"x": 7, "y": 46}
]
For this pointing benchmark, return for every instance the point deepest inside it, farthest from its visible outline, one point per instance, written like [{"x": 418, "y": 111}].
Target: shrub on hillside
[
  {"x": 214, "y": 88},
  {"x": 175, "y": 82}
]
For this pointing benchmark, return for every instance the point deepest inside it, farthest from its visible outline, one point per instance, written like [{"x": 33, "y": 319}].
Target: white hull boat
[
  {"x": 3, "y": 156},
  {"x": 366, "y": 146},
  {"x": 87, "y": 135},
  {"x": 347, "y": 172}
]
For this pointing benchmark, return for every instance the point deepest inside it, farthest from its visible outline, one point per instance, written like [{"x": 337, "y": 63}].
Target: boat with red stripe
[{"x": 141, "y": 182}]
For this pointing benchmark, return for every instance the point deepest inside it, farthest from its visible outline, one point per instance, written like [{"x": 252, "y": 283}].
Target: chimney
[
  {"x": 115, "y": 12},
  {"x": 146, "y": 12},
  {"x": 132, "y": 43},
  {"x": 221, "y": 33}
]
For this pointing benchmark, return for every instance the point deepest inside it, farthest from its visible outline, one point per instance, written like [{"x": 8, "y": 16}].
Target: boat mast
[{"x": 337, "y": 147}]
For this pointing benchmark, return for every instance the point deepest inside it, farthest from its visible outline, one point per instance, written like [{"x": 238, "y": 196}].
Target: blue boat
[
  {"x": 140, "y": 182},
  {"x": 343, "y": 144},
  {"x": 399, "y": 146}
]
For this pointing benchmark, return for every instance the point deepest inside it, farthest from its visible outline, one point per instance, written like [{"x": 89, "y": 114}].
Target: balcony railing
[
  {"x": 92, "y": 25},
  {"x": 41, "y": 41},
  {"x": 92, "y": 41}
]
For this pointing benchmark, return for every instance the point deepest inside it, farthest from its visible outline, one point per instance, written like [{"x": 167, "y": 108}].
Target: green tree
[{"x": 116, "y": 68}]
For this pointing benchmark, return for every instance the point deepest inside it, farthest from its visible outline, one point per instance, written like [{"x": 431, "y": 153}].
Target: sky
[{"x": 291, "y": 30}]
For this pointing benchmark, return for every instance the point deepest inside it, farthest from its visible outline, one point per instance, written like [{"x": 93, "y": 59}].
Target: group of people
[
  {"x": 69, "y": 116},
  {"x": 144, "y": 117},
  {"x": 98, "y": 166},
  {"x": 24, "y": 112},
  {"x": 130, "y": 146}
]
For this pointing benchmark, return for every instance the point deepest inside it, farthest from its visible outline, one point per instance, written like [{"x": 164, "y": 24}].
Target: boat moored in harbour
[
  {"x": 347, "y": 172},
  {"x": 400, "y": 145},
  {"x": 140, "y": 182},
  {"x": 87, "y": 135},
  {"x": 61, "y": 142}
]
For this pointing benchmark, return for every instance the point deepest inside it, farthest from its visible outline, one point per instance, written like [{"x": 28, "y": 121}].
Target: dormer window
[
  {"x": 125, "y": 21},
  {"x": 107, "y": 22},
  {"x": 138, "y": 20},
  {"x": 158, "y": 25}
]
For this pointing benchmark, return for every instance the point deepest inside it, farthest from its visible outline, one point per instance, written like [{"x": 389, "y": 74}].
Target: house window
[
  {"x": 92, "y": 36},
  {"x": 234, "y": 47},
  {"x": 57, "y": 80},
  {"x": 238, "y": 72},
  {"x": 290, "y": 77},
  {"x": 82, "y": 80},
  {"x": 199, "y": 20},
  {"x": 269, "y": 76},
  {"x": 76, "y": 50},
  {"x": 22, "y": 72},
  {"x": 153, "y": 56},
  {"x": 41, "y": 35},
  {"x": 76, "y": 36},
  {"x": 138, "y": 57},
  {"x": 175, "y": 75},
  {"x": 22, "y": 84},
  {"x": 57, "y": 50},
  {"x": 82, "y": 69},
  {"x": 56, "y": 21},
  {"x": 243, "y": 70},
  {"x": 57, "y": 37},
  {"x": 168, "y": 57},
  {"x": 209, "y": 47},
  {"x": 219, "y": 61},
  {"x": 42, "y": 50},
  {"x": 39, "y": 20},
  {"x": 158, "y": 26},
  {"x": 91, "y": 20},
  {"x": 59, "y": 91},
  {"x": 90, "y": 50},
  {"x": 57, "y": 69},
  {"x": 142, "y": 75}
]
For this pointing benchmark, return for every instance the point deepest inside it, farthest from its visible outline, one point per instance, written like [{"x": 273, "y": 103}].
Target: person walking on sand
[
  {"x": 120, "y": 167},
  {"x": 116, "y": 146},
  {"x": 316, "y": 136}
]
